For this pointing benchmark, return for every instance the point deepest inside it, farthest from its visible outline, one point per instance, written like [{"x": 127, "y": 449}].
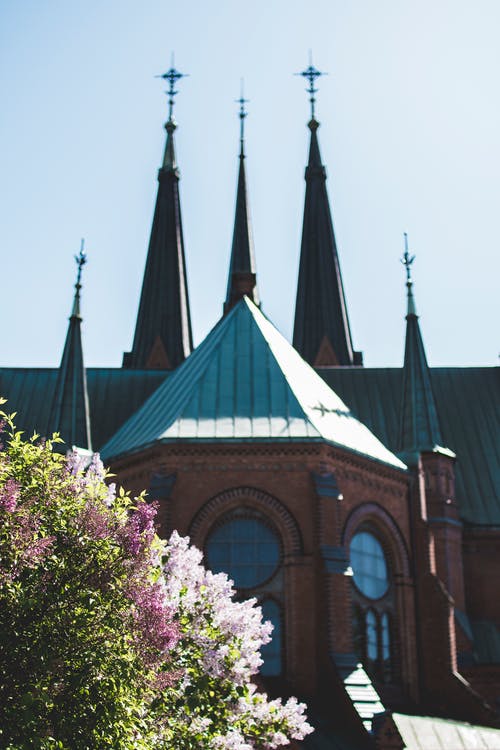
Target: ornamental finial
[
  {"x": 311, "y": 73},
  {"x": 242, "y": 115},
  {"x": 407, "y": 261},
  {"x": 80, "y": 259},
  {"x": 172, "y": 76}
]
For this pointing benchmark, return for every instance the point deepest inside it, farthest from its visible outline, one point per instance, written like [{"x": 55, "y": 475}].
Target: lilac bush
[
  {"x": 110, "y": 637},
  {"x": 219, "y": 651}
]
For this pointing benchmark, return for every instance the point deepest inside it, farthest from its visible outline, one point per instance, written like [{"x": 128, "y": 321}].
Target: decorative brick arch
[
  {"x": 247, "y": 498},
  {"x": 391, "y": 537}
]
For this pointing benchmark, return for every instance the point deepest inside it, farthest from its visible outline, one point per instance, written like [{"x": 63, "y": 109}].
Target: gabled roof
[
  {"x": 429, "y": 733},
  {"x": 114, "y": 395},
  {"x": 468, "y": 401},
  {"x": 246, "y": 382}
]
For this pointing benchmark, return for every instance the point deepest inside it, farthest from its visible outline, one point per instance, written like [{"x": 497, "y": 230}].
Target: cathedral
[{"x": 359, "y": 505}]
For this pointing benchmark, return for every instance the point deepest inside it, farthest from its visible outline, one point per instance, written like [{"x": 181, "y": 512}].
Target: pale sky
[{"x": 410, "y": 129}]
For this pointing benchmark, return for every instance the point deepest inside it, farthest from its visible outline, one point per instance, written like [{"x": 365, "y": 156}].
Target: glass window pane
[
  {"x": 246, "y": 549},
  {"x": 369, "y": 565},
  {"x": 271, "y": 652},
  {"x": 386, "y": 638},
  {"x": 371, "y": 635}
]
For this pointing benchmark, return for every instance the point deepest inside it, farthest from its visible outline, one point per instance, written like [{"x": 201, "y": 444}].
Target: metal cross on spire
[
  {"x": 242, "y": 114},
  {"x": 407, "y": 261},
  {"x": 311, "y": 73},
  {"x": 80, "y": 259},
  {"x": 172, "y": 76}
]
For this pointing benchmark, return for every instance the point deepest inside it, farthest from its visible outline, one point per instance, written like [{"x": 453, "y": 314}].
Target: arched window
[
  {"x": 373, "y": 598},
  {"x": 246, "y": 547},
  {"x": 371, "y": 636},
  {"x": 368, "y": 565}
]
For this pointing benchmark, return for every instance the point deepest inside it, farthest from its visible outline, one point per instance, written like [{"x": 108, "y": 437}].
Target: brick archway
[{"x": 252, "y": 499}]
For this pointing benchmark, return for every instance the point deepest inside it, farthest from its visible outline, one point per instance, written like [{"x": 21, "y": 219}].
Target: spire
[
  {"x": 242, "y": 274},
  {"x": 419, "y": 425},
  {"x": 163, "y": 337},
  {"x": 69, "y": 413},
  {"x": 321, "y": 332}
]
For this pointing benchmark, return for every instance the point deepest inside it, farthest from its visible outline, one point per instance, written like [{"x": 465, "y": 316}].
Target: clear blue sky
[{"x": 410, "y": 124}]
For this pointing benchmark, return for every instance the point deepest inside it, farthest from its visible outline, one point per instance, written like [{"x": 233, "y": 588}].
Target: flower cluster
[
  {"x": 220, "y": 641},
  {"x": 110, "y": 637}
]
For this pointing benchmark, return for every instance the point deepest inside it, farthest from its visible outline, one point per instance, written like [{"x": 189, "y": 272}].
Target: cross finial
[
  {"x": 80, "y": 259},
  {"x": 172, "y": 76},
  {"x": 311, "y": 73},
  {"x": 407, "y": 261},
  {"x": 242, "y": 114}
]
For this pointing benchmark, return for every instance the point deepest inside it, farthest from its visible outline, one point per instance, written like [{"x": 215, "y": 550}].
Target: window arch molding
[
  {"x": 372, "y": 517},
  {"x": 250, "y": 499}
]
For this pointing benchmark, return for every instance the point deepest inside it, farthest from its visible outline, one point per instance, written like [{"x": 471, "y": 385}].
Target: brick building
[{"x": 359, "y": 505}]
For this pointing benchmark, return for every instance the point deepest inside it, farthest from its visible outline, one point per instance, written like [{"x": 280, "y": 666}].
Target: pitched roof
[
  {"x": 163, "y": 337},
  {"x": 429, "y": 733},
  {"x": 321, "y": 320},
  {"x": 114, "y": 395},
  {"x": 468, "y": 401},
  {"x": 246, "y": 382}
]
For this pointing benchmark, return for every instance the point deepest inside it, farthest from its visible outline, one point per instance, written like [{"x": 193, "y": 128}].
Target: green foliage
[{"x": 72, "y": 676}]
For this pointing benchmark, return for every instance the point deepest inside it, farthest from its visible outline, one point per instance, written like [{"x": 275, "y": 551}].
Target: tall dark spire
[
  {"x": 419, "y": 424},
  {"x": 321, "y": 332},
  {"x": 242, "y": 278},
  {"x": 163, "y": 337},
  {"x": 69, "y": 413}
]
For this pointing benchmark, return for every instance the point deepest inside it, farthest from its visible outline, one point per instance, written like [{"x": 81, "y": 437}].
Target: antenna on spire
[
  {"x": 172, "y": 76},
  {"x": 242, "y": 114},
  {"x": 311, "y": 73},
  {"x": 407, "y": 261}
]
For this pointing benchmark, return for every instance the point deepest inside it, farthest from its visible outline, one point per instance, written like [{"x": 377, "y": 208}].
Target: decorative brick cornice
[
  {"x": 391, "y": 537},
  {"x": 248, "y": 498}
]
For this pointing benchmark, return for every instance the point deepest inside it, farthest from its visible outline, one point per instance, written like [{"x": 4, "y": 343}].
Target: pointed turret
[
  {"x": 242, "y": 278},
  {"x": 163, "y": 337},
  {"x": 69, "y": 413},
  {"x": 419, "y": 424},
  {"x": 321, "y": 332}
]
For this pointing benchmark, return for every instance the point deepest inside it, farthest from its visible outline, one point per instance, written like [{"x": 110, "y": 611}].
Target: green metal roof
[
  {"x": 468, "y": 403},
  {"x": 363, "y": 695},
  {"x": 427, "y": 733},
  {"x": 467, "y": 400},
  {"x": 114, "y": 394},
  {"x": 246, "y": 382}
]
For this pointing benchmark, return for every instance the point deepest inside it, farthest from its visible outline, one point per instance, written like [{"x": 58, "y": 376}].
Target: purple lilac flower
[{"x": 9, "y": 495}]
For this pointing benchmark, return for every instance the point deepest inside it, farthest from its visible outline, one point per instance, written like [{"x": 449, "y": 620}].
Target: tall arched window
[
  {"x": 272, "y": 652},
  {"x": 373, "y": 600},
  {"x": 245, "y": 546}
]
